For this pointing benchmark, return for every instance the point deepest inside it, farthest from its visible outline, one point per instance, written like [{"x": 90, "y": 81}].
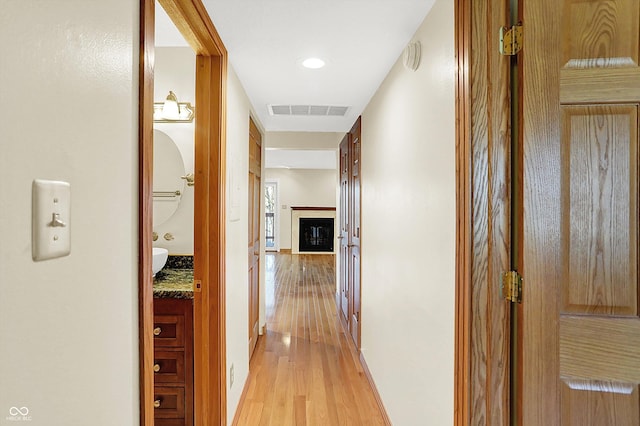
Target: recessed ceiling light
[{"x": 313, "y": 63}]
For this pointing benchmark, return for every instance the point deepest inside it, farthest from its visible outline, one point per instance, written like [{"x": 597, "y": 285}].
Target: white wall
[
  {"x": 301, "y": 187},
  {"x": 408, "y": 231},
  {"x": 175, "y": 69},
  {"x": 238, "y": 113},
  {"x": 303, "y": 140},
  {"x": 68, "y": 111}
]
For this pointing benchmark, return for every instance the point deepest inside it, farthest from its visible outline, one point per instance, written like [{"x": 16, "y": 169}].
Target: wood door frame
[
  {"x": 483, "y": 219},
  {"x": 462, "y": 375},
  {"x": 192, "y": 20}
]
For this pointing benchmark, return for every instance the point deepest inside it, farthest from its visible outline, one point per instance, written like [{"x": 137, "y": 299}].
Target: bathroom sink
[{"x": 160, "y": 256}]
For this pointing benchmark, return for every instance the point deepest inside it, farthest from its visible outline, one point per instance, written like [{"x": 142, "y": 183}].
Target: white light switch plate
[{"x": 50, "y": 219}]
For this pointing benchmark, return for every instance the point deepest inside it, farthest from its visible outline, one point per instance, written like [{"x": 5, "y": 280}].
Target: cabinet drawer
[
  {"x": 171, "y": 422},
  {"x": 168, "y": 330},
  {"x": 170, "y": 366},
  {"x": 169, "y": 403}
]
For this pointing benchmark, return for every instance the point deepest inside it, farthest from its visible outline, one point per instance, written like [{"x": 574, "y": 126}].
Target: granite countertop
[{"x": 172, "y": 283}]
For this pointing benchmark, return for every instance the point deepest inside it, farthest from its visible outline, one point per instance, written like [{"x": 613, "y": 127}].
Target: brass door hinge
[
  {"x": 512, "y": 286},
  {"x": 511, "y": 40}
]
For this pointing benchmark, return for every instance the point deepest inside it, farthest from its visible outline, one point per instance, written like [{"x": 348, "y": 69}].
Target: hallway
[{"x": 304, "y": 371}]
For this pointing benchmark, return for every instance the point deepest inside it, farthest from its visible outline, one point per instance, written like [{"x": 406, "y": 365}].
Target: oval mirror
[{"x": 168, "y": 185}]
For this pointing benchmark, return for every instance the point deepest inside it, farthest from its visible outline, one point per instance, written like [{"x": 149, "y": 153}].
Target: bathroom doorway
[{"x": 209, "y": 315}]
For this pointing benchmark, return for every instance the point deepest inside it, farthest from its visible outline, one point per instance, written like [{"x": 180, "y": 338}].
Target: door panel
[
  {"x": 626, "y": 407},
  {"x": 354, "y": 228},
  {"x": 355, "y": 185},
  {"x": 600, "y": 34},
  {"x": 344, "y": 230},
  {"x": 355, "y": 316},
  {"x": 581, "y": 331},
  {"x": 599, "y": 368},
  {"x": 599, "y": 190}
]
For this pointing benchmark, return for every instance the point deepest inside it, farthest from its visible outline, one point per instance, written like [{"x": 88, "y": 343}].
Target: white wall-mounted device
[{"x": 50, "y": 219}]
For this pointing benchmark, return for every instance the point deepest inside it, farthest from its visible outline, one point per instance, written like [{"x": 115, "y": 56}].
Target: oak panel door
[
  {"x": 354, "y": 229},
  {"x": 343, "y": 296},
  {"x": 581, "y": 330},
  {"x": 255, "y": 153}
]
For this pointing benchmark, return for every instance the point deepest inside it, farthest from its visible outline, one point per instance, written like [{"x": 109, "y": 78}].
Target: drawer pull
[
  {"x": 156, "y": 403},
  {"x": 156, "y": 367},
  {"x": 157, "y": 331}
]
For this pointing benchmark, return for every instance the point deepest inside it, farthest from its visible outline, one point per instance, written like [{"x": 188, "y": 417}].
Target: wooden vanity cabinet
[{"x": 173, "y": 361}]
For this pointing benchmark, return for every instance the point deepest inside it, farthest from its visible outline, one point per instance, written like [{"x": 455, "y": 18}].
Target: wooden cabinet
[{"x": 173, "y": 362}]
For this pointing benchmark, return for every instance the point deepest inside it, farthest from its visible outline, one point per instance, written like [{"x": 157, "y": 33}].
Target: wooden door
[
  {"x": 354, "y": 232},
  {"x": 581, "y": 330},
  {"x": 349, "y": 276},
  {"x": 343, "y": 297},
  {"x": 255, "y": 153}
]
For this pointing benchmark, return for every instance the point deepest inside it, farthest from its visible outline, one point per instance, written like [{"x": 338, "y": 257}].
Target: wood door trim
[
  {"x": 145, "y": 211},
  {"x": 462, "y": 375},
  {"x": 193, "y": 22},
  {"x": 482, "y": 327},
  {"x": 191, "y": 18}
]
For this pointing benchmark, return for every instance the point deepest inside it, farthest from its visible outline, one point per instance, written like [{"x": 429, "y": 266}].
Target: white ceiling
[{"x": 267, "y": 39}]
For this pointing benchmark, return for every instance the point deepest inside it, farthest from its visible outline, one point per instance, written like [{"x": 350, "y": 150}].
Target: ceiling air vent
[
  {"x": 279, "y": 110},
  {"x": 308, "y": 110}
]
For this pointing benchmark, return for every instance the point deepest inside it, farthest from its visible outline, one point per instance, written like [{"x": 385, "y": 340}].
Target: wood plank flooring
[{"x": 303, "y": 371}]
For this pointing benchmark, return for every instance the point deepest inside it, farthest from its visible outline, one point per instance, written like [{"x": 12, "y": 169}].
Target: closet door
[
  {"x": 581, "y": 315},
  {"x": 349, "y": 276},
  {"x": 255, "y": 152},
  {"x": 354, "y": 232}
]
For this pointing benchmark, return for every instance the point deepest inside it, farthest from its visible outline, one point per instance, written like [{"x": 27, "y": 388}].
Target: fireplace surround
[{"x": 316, "y": 220}]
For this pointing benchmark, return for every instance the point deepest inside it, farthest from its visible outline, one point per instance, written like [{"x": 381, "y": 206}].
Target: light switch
[{"x": 50, "y": 219}]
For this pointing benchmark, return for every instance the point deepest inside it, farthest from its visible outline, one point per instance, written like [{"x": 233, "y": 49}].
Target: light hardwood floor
[{"x": 303, "y": 371}]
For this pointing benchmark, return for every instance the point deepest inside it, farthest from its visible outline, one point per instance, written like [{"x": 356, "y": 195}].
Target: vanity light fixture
[{"x": 172, "y": 111}]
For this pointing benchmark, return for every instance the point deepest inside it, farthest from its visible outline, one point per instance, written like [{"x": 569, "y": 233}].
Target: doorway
[
  {"x": 209, "y": 315},
  {"x": 271, "y": 216}
]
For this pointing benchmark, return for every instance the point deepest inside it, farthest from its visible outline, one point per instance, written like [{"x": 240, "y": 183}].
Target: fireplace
[
  {"x": 320, "y": 237},
  {"x": 316, "y": 234}
]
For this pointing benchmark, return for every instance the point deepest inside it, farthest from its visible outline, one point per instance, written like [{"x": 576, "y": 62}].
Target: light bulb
[{"x": 313, "y": 63}]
